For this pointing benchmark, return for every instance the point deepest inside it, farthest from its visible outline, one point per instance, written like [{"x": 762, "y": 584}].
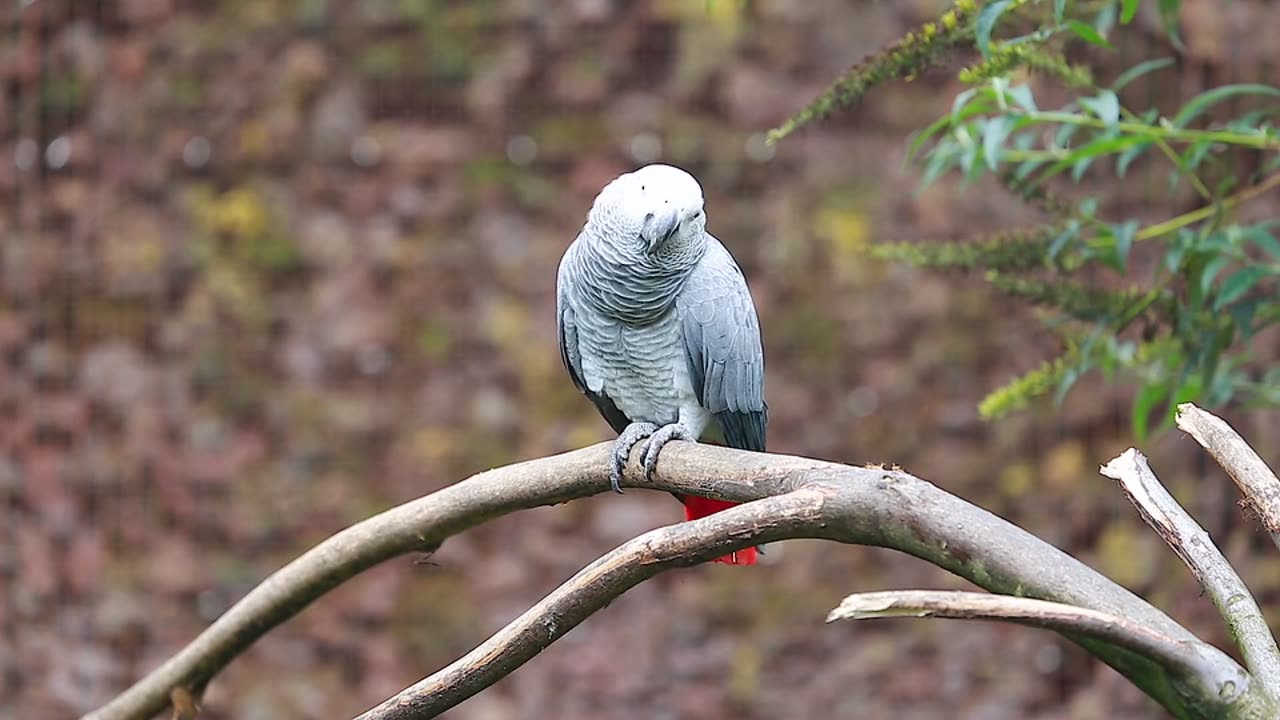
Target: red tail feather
[{"x": 699, "y": 507}]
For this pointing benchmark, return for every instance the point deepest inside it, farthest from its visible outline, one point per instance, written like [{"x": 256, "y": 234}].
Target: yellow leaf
[
  {"x": 432, "y": 444},
  {"x": 845, "y": 229},
  {"x": 1127, "y": 554},
  {"x": 1017, "y": 479},
  {"x": 725, "y": 16},
  {"x": 241, "y": 212},
  {"x": 507, "y": 322},
  {"x": 1066, "y": 464}
]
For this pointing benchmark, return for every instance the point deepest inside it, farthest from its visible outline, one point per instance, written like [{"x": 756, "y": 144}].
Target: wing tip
[{"x": 744, "y": 430}]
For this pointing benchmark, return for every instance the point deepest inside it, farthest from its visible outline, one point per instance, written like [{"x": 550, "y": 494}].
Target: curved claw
[
  {"x": 630, "y": 437},
  {"x": 657, "y": 440}
]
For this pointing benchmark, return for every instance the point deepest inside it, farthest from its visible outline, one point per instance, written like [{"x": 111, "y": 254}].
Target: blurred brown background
[{"x": 271, "y": 266}]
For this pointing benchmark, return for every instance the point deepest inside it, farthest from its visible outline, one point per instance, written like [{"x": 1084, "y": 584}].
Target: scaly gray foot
[
  {"x": 630, "y": 437},
  {"x": 657, "y": 440}
]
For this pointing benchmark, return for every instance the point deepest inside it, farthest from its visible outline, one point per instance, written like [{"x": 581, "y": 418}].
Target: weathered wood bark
[
  {"x": 1190, "y": 662},
  {"x": 1257, "y": 483},
  {"x": 805, "y": 498},
  {"x": 1193, "y": 545}
]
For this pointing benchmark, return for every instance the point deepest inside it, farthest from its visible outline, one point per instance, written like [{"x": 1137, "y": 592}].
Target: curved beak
[{"x": 660, "y": 227}]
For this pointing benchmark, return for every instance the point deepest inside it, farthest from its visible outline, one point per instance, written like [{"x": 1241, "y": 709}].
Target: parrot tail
[{"x": 700, "y": 507}]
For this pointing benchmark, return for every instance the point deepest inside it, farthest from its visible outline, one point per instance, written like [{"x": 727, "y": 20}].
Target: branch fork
[{"x": 786, "y": 497}]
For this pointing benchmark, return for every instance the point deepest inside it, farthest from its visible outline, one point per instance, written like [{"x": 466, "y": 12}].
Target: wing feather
[
  {"x": 571, "y": 353},
  {"x": 723, "y": 348}
]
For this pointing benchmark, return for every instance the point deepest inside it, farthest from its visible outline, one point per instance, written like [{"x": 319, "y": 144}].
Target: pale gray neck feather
[{"x": 624, "y": 281}]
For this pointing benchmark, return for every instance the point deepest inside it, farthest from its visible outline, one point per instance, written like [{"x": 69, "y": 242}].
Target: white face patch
[
  {"x": 652, "y": 191},
  {"x": 664, "y": 184}
]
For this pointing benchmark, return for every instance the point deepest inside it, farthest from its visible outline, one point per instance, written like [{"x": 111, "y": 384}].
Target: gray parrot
[{"x": 657, "y": 327}]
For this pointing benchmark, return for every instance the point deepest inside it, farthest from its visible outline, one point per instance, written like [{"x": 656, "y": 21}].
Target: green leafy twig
[
  {"x": 1018, "y": 393},
  {"x": 1022, "y": 249},
  {"x": 916, "y": 51},
  {"x": 1081, "y": 303},
  {"x": 1259, "y": 141},
  {"x": 1208, "y": 211},
  {"x": 1006, "y": 58}
]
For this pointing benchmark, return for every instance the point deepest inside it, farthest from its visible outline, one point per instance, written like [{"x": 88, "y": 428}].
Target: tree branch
[
  {"x": 1191, "y": 543},
  {"x": 1192, "y": 663},
  {"x": 809, "y": 498},
  {"x": 596, "y": 586},
  {"x": 1258, "y": 484}
]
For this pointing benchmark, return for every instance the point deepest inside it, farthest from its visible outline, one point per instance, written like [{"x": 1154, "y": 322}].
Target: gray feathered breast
[{"x": 717, "y": 323}]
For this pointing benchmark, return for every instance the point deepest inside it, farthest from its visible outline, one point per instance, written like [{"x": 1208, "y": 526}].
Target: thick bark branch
[
  {"x": 1192, "y": 663},
  {"x": 818, "y": 499},
  {"x": 597, "y": 585},
  {"x": 1258, "y": 484},
  {"x": 1191, "y": 543}
]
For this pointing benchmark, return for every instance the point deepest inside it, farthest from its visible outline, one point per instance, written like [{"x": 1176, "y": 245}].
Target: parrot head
[{"x": 658, "y": 205}]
